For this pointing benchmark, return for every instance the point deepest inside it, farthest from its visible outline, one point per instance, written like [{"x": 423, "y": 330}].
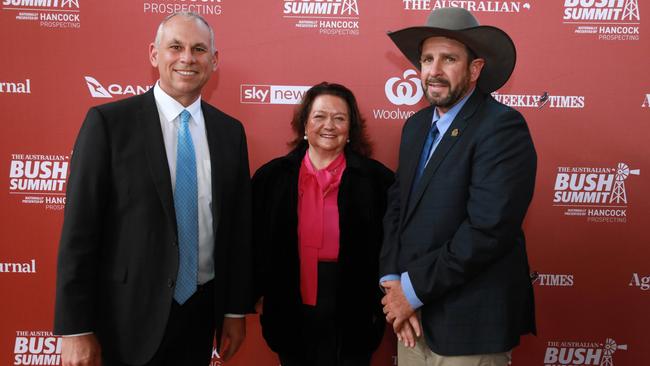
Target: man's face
[
  {"x": 183, "y": 58},
  {"x": 446, "y": 73}
]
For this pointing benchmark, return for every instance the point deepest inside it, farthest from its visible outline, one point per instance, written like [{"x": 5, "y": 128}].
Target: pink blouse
[{"x": 318, "y": 221}]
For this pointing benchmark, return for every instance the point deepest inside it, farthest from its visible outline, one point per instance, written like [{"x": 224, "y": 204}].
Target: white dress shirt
[{"x": 169, "y": 111}]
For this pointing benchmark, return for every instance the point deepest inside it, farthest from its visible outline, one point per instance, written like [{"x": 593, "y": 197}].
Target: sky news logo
[{"x": 272, "y": 94}]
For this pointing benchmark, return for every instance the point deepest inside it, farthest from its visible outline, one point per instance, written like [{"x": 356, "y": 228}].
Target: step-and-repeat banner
[{"x": 582, "y": 81}]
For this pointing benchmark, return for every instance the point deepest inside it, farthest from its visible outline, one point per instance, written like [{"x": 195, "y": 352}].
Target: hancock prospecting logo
[
  {"x": 46, "y": 13},
  {"x": 202, "y": 7},
  {"x": 271, "y": 94},
  {"x": 39, "y": 179},
  {"x": 37, "y": 347},
  {"x": 542, "y": 100},
  {"x": 97, "y": 90},
  {"x": 610, "y": 20},
  {"x": 475, "y": 6},
  {"x": 330, "y": 17},
  {"x": 401, "y": 91},
  {"x": 596, "y": 193},
  {"x": 560, "y": 353}
]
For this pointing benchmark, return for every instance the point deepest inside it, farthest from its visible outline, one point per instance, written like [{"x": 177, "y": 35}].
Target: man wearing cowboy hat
[{"x": 454, "y": 263}]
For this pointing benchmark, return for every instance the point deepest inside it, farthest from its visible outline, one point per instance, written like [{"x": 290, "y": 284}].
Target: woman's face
[{"x": 328, "y": 125}]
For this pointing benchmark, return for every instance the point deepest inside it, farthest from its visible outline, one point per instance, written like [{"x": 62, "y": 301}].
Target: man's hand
[
  {"x": 83, "y": 350},
  {"x": 396, "y": 307},
  {"x": 232, "y": 336},
  {"x": 409, "y": 332}
]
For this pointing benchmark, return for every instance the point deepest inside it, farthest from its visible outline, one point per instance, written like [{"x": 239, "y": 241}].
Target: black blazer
[
  {"x": 458, "y": 232},
  {"x": 361, "y": 203},
  {"x": 118, "y": 255}
]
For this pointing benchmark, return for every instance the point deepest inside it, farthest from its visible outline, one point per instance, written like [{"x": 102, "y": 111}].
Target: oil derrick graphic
[
  {"x": 618, "y": 192},
  {"x": 350, "y": 7},
  {"x": 610, "y": 348},
  {"x": 631, "y": 10}
]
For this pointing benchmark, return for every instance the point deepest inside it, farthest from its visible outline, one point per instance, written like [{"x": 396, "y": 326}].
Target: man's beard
[{"x": 453, "y": 95}]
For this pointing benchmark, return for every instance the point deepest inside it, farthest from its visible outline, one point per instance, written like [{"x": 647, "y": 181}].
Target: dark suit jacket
[
  {"x": 361, "y": 203},
  {"x": 458, "y": 232},
  {"x": 118, "y": 255}
]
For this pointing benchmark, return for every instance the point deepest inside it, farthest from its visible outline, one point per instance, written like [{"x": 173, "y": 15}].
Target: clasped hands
[{"x": 400, "y": 314}]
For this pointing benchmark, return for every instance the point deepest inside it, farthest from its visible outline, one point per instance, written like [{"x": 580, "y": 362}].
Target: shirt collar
[
  {"x": 171, "y": 108},
  {"x": 445, "y": 121}
]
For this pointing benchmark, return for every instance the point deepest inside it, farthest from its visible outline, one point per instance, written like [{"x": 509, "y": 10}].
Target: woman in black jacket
[{"x": 317, "y": 218}]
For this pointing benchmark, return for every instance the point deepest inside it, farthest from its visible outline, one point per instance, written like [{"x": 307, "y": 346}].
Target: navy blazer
[
  {"x": 118, "y": 254},
  {"x": 458, "y": 231}
]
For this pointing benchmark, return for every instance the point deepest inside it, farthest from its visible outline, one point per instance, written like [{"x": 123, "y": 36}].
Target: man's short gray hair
[{"x": 187, "y": 14}]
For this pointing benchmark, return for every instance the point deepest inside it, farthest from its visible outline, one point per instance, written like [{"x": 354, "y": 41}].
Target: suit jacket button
[{"x": 170, "y": 283}]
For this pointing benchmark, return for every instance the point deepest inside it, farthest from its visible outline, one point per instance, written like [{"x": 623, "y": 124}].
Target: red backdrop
[{"x": 581, "y": 81}]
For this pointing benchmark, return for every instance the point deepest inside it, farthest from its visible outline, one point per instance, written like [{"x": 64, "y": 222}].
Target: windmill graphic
[
  {"x": 618, "y": 192},
  {"x": 631, "y": 10},
  {"x": 350, "y": 7},
  {"x": 610, "y": 348}
]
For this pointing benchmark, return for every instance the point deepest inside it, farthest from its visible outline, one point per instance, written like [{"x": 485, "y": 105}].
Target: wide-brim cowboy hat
[{"x": 487, "y": 42}]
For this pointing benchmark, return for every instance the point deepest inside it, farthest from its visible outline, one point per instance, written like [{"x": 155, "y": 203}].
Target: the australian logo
[
  {"x": 329, "y": 17},
  {"x": 474, "y": 6},
  {"x": 608, "y": 20},
  {"x": 563, "y": 353},
  {"x": 599, "y": 194}
]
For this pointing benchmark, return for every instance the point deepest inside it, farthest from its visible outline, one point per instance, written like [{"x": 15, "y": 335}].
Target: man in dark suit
[
  {"x": 454, "y": 259},
  {"x": 155, "y": 246}
]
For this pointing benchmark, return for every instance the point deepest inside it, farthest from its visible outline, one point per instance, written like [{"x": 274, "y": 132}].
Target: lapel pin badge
[{"x": 454, "y": 132}]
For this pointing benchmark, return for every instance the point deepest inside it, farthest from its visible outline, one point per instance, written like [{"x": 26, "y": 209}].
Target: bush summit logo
[
  {"x": 611, "y": 20},
  {"x": 597, "y": 193},
  {"x": 39, "y": 179},
  {"x": 475, "y": 6},
  {"x": 37, "y": 348},
  {"x": 330, "y": 17},
  {"x": 582, "y": 353},
  {"x": 48, "y": 13}
]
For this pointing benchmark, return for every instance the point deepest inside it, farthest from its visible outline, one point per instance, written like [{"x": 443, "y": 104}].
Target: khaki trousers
[{"x": 422, "y": 355}]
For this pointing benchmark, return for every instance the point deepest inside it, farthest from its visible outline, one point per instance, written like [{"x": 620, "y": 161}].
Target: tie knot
[{"x": 185, "y": 116}]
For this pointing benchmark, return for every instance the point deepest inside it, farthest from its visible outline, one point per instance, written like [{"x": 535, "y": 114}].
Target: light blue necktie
[
  {"x": 186, "y": 207},
  {"x": 426, "y": 151}
]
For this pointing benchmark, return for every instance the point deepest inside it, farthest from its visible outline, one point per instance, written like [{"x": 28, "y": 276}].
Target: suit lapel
[
  {"x": 453, "y": 134},
  {"x": 412, "y": 156},
  {"x": 157, "y": 156},
  {"x": 215, "y": 145}
]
